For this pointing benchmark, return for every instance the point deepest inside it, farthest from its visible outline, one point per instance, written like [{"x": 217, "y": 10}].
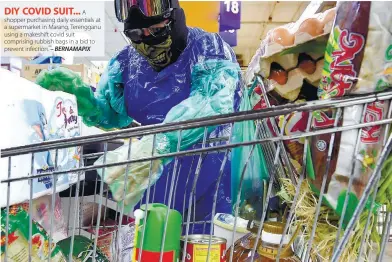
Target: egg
[
  {"x": 312, "y": 26},
  {"x": 308, "y": 66},
  {"x": 279, "y": 76},
  {"x": 282, "y": 36},
  {"x": 329, "y": 16}
]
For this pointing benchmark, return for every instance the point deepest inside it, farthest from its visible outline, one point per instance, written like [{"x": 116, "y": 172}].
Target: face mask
[{"x": 157, "y": 55}]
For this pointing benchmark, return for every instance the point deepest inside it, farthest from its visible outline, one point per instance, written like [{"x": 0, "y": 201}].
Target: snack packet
[
  {"x": 110, "y": 239},
  {"x": 18, "y": 238},
  {"x": 357, "y": 60},
  {"x": 83, "y": 249}
]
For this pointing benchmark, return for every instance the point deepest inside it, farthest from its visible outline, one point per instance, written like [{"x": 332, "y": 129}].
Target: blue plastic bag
[{"x": 252, "y": 189}]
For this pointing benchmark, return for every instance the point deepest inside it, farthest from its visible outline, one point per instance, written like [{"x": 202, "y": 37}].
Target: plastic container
[
  {"x": 267, "y": 245},
  {"x": 224, "y": 225},
  {"x": 154, "y": 232}
]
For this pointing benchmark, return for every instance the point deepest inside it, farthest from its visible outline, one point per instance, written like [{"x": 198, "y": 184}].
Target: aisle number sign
[
  {"x": 230, "y": 15},
  {"x": 230, "y": 37},
  {"x": 213, "y": 16},
  {"x": 230, "y": 21}
]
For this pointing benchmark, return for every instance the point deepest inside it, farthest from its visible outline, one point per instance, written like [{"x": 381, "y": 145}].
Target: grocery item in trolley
[
  {"x": 358, "y": 59},
  {"x": 19, "y": 240},
  {"x": 115, "y": 242},
  {"x": 154, "y": 232},
  {"x": 36, "y": 116},
  {"x": 249, "y": 170},
  {"x": 197, "y": 248},
  {"x": 83, "y": 250},
  {"x": 267, "y": 244},
  {"x": 293, "y": 53},
  {"x": 288, "y": 67},
  {"x": 42, "y": 214},
  {"x": 224, "y": 226}
]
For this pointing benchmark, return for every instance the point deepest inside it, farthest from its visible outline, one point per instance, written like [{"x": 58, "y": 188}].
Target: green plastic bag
[{"x": 252, "y": 189}]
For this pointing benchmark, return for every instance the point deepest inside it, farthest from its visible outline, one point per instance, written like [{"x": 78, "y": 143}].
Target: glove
[{"x": 105, "y": 108}]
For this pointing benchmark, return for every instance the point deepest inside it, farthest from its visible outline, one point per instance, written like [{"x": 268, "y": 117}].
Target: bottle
[
  {"x": 271, "y": 236},
  {"x": 267, "y": 245},
  {"x": 154, "y": 232}
]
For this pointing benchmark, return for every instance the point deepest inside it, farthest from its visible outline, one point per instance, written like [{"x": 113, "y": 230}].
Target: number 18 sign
[{"x": 230, "y": 15}]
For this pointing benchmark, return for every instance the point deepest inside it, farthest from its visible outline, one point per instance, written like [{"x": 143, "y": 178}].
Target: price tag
[
  {"x": 230, "y": 37},
  {"x": 230, "y": 15}
]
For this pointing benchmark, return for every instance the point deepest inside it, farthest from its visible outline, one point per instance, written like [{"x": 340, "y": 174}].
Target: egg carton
[
  {"x": 293, "y": 34},
  {"x": 287, "y": 62},
  {"x": 292, "y": 88}
]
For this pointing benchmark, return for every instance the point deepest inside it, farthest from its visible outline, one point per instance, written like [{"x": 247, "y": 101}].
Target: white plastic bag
[{"x": 32, "y": 114}]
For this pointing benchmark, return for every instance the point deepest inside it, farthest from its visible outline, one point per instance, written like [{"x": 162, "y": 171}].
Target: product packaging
[
  {"x": 83, "y": 250},
  {"x": 110, "y": 239},
  {"x": 42, "y": 214},
  {"x": 358, "y": 59},
  {"x": 18, "y": 237},
  {"x": 288, "y": 68},
  {"x": 150, "y": 244},
  {"x": 37, "y": 116}
]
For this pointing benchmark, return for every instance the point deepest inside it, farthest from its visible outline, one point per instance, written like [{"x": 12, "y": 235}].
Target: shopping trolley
[{"x": 278, "y": 167}]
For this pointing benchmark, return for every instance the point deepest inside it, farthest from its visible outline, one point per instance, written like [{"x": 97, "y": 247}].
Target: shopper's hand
[
  {"x": 60, "y": 79},
  {"x": 137, "y": 179}
]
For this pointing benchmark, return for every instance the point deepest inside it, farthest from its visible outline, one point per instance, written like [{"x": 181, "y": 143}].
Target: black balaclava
[{"x": 163, "y": 51}]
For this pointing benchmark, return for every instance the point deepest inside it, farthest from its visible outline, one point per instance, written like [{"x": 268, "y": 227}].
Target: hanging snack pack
[
  {"x": 37, "y": 116},
  {"x": 290, "y": 62},
  {"x": 358, "y": 59},
  {"x": 18, "y": 239}
]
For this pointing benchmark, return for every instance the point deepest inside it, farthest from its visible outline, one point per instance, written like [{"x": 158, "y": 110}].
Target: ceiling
[{"x": 257, "y": 18}]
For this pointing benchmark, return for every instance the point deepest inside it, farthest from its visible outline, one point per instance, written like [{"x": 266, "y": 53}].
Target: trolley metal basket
[{"x": 273, "y": 149}]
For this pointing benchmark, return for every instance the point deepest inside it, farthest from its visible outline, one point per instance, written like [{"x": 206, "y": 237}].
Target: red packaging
[
  {"x": 148, "y": 256},
  {"x": 357, "y": 60}
]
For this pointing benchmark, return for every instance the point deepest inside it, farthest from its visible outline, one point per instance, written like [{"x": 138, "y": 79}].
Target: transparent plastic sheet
[
  {"x": 204, "y": 81},
  {"x": 213, "y": 86},
  {"x": 283, "y": 44},
  {"x": 252, "y": 160},
  {"x": 289, "y": 62},
  {"x": 356, "y": 60}
]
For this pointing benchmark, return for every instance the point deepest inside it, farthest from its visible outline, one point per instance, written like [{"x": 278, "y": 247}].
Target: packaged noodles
[{"x": 358, "y": 59}]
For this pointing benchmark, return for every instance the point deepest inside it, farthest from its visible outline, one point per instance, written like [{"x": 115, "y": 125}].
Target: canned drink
[{"x": 197, "y": 248}]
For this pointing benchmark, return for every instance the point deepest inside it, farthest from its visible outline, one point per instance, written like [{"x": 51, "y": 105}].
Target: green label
[{"x": 388, "y": 53}]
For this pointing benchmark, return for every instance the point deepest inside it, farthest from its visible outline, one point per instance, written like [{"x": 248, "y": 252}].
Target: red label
[
  {"x": 342, "y": 68},
  {"x": 374, "y": 112},
  {"x": 148, "y": 256},
  {"x": 322, "y": 120}
]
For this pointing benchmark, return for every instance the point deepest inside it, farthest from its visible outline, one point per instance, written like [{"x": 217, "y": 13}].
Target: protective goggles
[
  {"x": 149, "y": 8},
  {"x": 139, "y": 35}
]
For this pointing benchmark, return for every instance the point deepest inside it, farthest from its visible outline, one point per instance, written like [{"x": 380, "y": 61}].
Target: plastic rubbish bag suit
[{"x": 204, "y": 81}]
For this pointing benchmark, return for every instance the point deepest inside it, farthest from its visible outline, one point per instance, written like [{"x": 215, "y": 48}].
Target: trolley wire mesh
[{"x": 278, "y": 165}]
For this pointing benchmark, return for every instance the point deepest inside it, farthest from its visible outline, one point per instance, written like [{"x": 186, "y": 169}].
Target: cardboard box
[{"x": 31, "y": 71}]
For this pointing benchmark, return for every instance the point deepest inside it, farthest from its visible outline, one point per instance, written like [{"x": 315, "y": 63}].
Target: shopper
[{"x": 168, "y": 73}]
